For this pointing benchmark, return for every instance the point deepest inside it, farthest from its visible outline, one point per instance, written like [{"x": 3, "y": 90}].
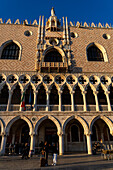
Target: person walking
[{"x": 46, "y": 150}]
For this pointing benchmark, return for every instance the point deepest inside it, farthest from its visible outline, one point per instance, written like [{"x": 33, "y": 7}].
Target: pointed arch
[
  {"x": 41, "y": 96},
  {"x": 42, "y": 84},
  {"x": 54, "y": 84},
  {"x": 4, "y": 94},
  {"x": 29, "y": 84},
  {"x": 16, "y": 96},
  {"x": 56, "y": 48},
  {"x": 96, "y": 52},
  {"x": 90, "y": 98},
  {"x": 78, "y": 97},
  {"x": 52, "y": 118},
  {"x": 2, "y": 124},
  {"x": 5, "y": 44},
  {"x": 27, "y": 120},
  {"x": 66, "y": 96},
  {"x": 80, "y": 119},
  {"x": 14, "y": 86},
  {"x": 101, "y": 95},
  {"x": 53, "y": 96},
  {"x": 105, "y": 119}
]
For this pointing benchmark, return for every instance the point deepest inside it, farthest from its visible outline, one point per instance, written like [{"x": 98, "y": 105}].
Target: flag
[
  {"x": 30, "y": 99},
  {"x": 23, "y": 101}
]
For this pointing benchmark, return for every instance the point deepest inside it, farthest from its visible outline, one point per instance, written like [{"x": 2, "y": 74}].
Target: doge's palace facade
[{"x": 65, "y": 72}]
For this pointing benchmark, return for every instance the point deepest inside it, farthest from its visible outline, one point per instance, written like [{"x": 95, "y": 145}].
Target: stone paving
[{"x": 72, "y": 161}]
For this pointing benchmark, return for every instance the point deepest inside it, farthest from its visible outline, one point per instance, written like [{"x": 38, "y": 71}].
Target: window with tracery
[
  {"x": 11, "y": 51},
  {"x": 53, "y": 56},
  {"x": 94, "y": 54}
]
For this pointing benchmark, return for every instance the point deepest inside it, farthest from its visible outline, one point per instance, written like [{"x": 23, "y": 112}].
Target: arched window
[
  {"x": 28, "y": 93},
  {"x": 4, "y": 94},
  {"x": 101, "y": 97},
  {"x": 16, "y": 97},
  {"x": 66, "y": 97},
  {"x": 94, "y": 53},
  {"x": 54, "y": 98},
  {"x": 90, "y": 96},
  {"x": 74, "y": 133},
  {"x": 78, "y": 98},
  {"x": 41, "y": 96},
  {"x": 11, "y": 51},
  {"x": 53, "y": 56}
]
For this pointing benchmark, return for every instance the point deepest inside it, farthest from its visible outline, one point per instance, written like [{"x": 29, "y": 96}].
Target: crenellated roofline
[{"x": 71, "y": 24}]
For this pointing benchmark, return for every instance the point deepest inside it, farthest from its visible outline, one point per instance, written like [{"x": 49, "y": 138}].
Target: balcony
[{"x": 52, "y": 67}]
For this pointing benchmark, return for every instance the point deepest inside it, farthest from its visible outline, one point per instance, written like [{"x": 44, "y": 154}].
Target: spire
[{"x": 52, "y": 12}]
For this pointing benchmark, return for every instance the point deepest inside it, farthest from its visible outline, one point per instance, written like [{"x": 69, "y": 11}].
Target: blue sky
[{"x": 76, "y": 10}]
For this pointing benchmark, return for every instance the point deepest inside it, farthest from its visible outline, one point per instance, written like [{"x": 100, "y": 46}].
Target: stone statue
[{"x": 52, "y": 12}]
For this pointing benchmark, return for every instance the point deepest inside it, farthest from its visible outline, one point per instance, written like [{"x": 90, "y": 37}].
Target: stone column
[
  {"x": 3, "y": 144},
  {"x": 96, "y": 100},
  {"x": 61, "y": 144},
  {"x": 72, "y": 101},
  {"x": 84, "y": 100},
  {"x": 32, "y": 142},
  {"x": 89, "y": 144},
  {"x": 9, "y": 100},
  {"x": 47, "y": 107},
  {"x": 108, "y": 100},
  {"x": 21, "y": 98},
  {"x": 60, "y": 100},
  {"x": 35, "y": 99}
]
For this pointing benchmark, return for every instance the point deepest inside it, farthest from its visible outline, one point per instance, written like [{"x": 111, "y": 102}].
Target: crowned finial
[{"x": 52, "y": 12}]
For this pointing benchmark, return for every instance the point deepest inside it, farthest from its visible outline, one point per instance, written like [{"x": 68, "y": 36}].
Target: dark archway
[
  {"x": 54, "y": 98},
  {"x": 53, "y": 56},
  {"x": 16, "y": 97},
  {"x": 29, "y": 96},
  {"x": 102, "y": 98},
  {"x": 4, "y": 94},
  {"x": 66, "y": 97},
  {"x": 18, "y": 136},
  {"x": 41, "y": 96},
  {"x": 74, "y": 136},
  {"x": 47, "y": 131},
  {"x": 90, "y": 99},
  {"x": 100, "y": 131},
  {"x": 78, "y": 98}
]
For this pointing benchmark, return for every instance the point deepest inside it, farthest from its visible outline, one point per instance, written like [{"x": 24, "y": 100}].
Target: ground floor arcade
[{"x": 73, "y": 134}]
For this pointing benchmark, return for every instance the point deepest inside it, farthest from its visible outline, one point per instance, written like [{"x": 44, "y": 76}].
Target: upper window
[
  {"x": 94, "y": 54},
  {"x": 53, "y": 56},
  {"x": 11, "y": 51}
]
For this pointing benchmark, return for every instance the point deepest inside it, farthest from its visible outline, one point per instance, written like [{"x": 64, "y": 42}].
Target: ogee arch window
[
  {"x": 53, "y": 56},
  {"x": 11, "y": 51},
  {"x": 94, "y": 53}
]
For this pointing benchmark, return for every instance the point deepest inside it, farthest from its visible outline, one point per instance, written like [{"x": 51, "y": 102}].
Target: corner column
[
  {"x": 3, "y": 144},
  {"x": 61, "y": 144},
  {"x": 89, "y": 144}
]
